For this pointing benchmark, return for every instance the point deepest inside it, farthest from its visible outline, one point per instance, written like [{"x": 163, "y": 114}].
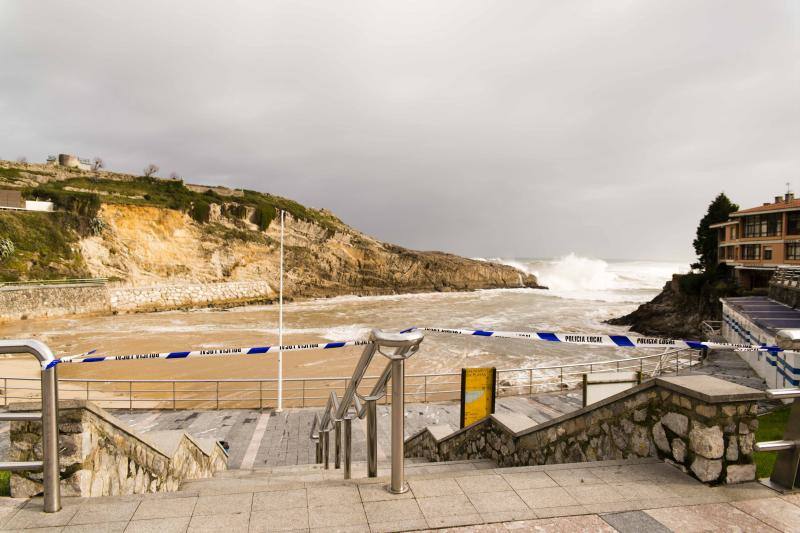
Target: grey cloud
[{"x": 517, "y": 128}]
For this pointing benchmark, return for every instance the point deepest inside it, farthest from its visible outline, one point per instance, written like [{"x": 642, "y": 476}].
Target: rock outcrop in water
[
  {"x": 674, "y": 313},
  {"x": 143, "y": 231}
]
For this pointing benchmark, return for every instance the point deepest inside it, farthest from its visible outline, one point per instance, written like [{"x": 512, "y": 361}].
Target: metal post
[
  {"x": 326, "y": 448},
  {"x": 425, "y": 389},
  {"x": 130, "y": 396},
  {"x": 87, "y": 391},
  {"x": 261, "y": 396},
  {"x": 348, "y": 446},
  {"x": 217, "y": 395},
  {"x": 5, "y": 391},
  {"x": 173, "y": 395},
  {"x": 52, "y": 488},
  {"x": 530, "y": 381},
  {"x": 280, "y": 324},
  {"x": 319, "y": 449},
  {"x": 337, "y": 444},
  {"x": 398, "y": 485},
  {"x": 303, "y": 401},
  {"x": 372, "y": 438}
]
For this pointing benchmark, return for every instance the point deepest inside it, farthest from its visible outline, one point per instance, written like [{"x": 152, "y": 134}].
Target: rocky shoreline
[{"x": 672, "y": 313}]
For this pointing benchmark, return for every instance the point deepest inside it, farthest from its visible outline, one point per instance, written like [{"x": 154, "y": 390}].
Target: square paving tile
[
  {"x": 638, "y": 490},
  {"x": 107, "y": 527},
  {"x": 403, "y": 525},
  {"x": 223, "y": 504},
  {"x": 104, "y": 512},
  {"x": 33, "y": 516},
  {"x": 483, "y": 483},
  {"x": 457, "y": 504},
  {"x": 529, "y": 480},
  {"x": 279, "y": 520},
  {"x": 625, "y": 473},
  {"x": 634, "y": 522},
  {"x": 437, "y": 522},
  {"x": 333, "y": 495},
  {"x": 392, "y": 511},
  {"x": 176, "y": 524},
  {"x": 229, "y": 523},
  {"x": 509, "y": 516},
  {"x": 165, "y": 508},
  {"x": 376, "y": 492},
  {"x": 547, "y": 497},
  {"x": 280, "y": 499},
  {"x": 566, "y": 524},
  {"x": 708, "y": 517},
  {"x": 569, "y": 510},
  {"x": 776, "y": 512},
  {"x": 574, "y": 476},
  {"x": 586, "y": 494},
  {"x": 336, "y": 516},
  {"x": 494, "y": 502},
  {"x": 426, "y": 488}
]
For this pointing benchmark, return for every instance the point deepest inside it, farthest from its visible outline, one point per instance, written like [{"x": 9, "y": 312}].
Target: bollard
[
  {"x": 326, "y": 448},
  {"x": 398, "y": 485}
]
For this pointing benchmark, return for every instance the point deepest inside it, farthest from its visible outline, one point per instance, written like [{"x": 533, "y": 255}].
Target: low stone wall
[
  {"x": 187, "y": 295},
  {"x": 18, "y": 303},
  {"x": 100, "y": 456},
  {"x": 702, "y": 424}
]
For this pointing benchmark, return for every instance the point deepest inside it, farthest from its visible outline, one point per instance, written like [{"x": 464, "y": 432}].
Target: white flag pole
[{"x": 280, "y": 326}]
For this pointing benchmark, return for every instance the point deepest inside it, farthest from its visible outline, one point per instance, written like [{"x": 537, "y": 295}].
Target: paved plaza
[{"x": 627, "y": 496}]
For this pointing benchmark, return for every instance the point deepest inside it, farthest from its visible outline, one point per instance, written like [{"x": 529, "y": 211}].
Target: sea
[{"x": 583, "y": 293}]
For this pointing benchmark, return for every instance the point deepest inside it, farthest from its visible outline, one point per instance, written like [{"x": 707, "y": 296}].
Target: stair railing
[
  {"x": 338, "y": 414},
  {"x": 48, "y": 417},
  {"x": 785, "y": 475}
]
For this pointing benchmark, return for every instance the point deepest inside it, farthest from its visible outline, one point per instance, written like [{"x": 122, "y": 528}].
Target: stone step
[{"x": 235, "y": 481}]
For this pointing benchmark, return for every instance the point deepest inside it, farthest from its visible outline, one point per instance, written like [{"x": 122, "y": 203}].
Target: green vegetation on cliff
[{"x": 45, "y": 245}]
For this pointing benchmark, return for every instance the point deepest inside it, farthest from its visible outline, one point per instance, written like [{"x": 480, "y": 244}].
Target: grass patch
[
  {"x": 770, "y": 427},
  {"x": 5, "y": 483},
  {"x": 44, "y": 245}
]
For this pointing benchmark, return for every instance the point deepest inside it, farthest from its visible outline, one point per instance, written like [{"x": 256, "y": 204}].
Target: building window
[
  {"x": 793, "y": 223},
  {"x": 763, "y": 225},
  {"x": 767, "y": 254},
  {"x": 721, "y": 234},
  {"x": 792, "y": 251},
  {"x": 735, "y": 232},
  {"x": 751, "y": 252}
]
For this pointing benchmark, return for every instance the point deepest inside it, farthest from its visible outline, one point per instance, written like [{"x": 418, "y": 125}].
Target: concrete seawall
[{"x": 19, "y": 303}]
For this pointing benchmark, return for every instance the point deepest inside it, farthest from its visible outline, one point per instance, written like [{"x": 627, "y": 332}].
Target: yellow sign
[{"x": 477, "y": 394}]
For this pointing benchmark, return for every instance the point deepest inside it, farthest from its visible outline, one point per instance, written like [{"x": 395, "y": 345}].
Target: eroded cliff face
[{"x": 147, "y": 245}]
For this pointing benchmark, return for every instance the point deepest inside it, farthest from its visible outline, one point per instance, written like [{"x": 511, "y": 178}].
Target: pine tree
[{"x": 706, "y": 243}]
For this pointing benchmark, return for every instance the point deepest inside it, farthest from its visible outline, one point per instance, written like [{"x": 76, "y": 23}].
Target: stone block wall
[
  {"x": 92, "y": 299},
  {"x": 158, "y": 297},
  {"x": 100, "y": 456},
  {"x": 33, "y": 302},
  {"x": 709, "y": 436}
]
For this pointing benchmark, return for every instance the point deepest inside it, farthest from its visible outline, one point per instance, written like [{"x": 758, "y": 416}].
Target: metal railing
[
  {"x": 255, "y": 393},
  {"x": 49, "y": 419},
  {"x": 338, "y": 415},
  {"x": 712, "y": 329},
  {"x": 788, "y": 277},
  {"x": 785, "y": 475}
]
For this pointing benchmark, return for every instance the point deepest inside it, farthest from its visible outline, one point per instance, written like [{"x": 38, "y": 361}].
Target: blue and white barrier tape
[
  {"x": 219, "y": 352},
  {"x": 617, "y": 341}
]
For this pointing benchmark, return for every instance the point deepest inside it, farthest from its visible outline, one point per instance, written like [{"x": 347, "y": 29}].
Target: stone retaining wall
[
  {"x": 187, "y": 295},
  {"x": 100, "y": 456},
  {"x": 18, "y": 303},
  {"x": 711, "y": 436}
]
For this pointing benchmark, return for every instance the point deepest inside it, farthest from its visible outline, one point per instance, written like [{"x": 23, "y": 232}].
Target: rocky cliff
[
  {"x": 676, "y": 312},
  {"x": 141, "y": 231}
]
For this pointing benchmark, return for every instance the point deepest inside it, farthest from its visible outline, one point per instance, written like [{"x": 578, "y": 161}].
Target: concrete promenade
[{"x": 627, "y": 496}]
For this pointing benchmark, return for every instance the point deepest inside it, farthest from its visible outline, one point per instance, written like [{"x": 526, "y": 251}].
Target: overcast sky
[{"x": 486, "y": 128}]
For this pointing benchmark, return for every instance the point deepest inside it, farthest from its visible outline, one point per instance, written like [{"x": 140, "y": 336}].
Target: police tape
[
  {"x": 219, "y": 352},
  {"x": 586, "y": 339},
  {"x": 590, "y": 339}
]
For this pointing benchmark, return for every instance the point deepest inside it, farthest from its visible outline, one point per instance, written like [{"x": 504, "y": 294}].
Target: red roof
[{"x": 780, "y": 206}]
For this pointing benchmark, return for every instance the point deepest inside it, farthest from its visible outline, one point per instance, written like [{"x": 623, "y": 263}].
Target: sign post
[{"x": 478, "y": 393}]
